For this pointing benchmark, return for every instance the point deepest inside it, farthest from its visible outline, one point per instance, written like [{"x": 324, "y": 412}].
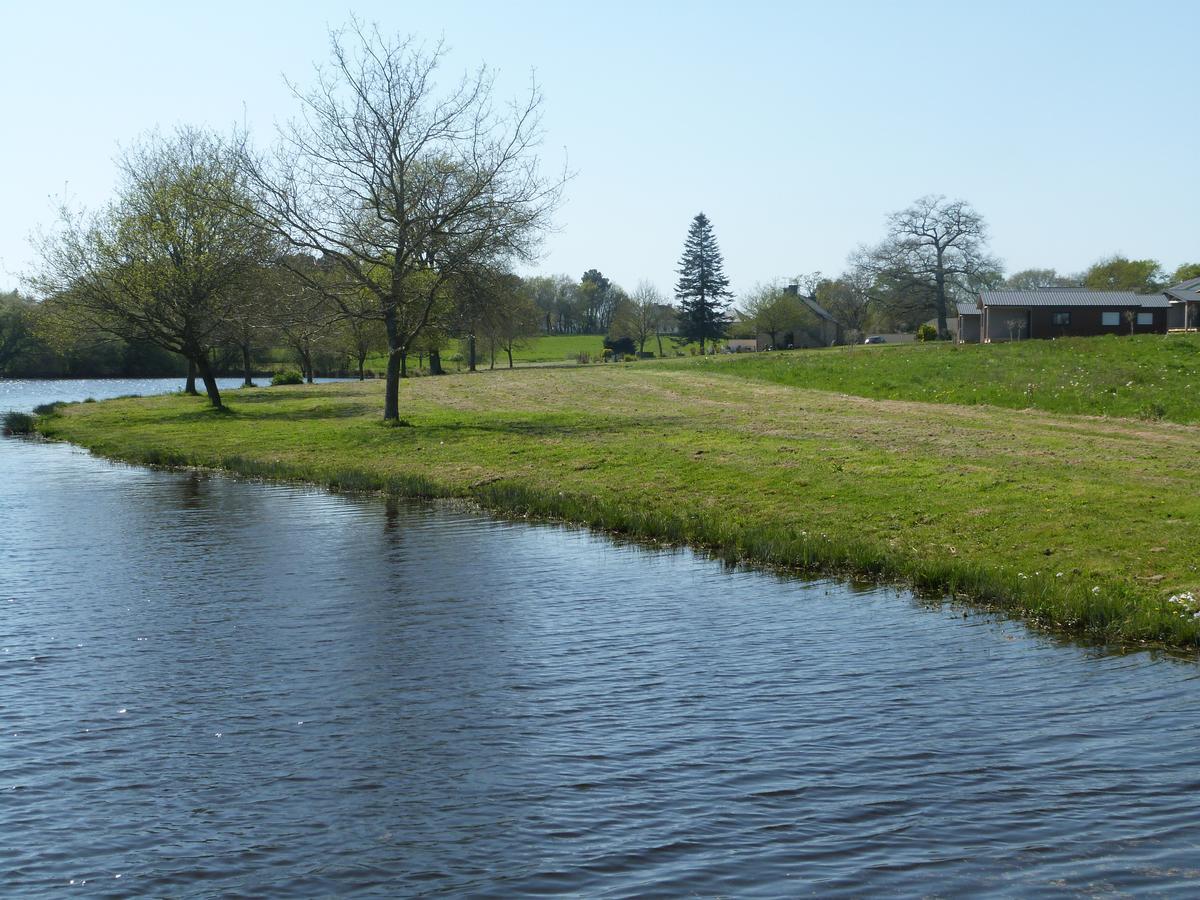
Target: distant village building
[
  {"x": 1185, "y": 305},
  {"x": 1060, "y": 312},
  {"x": 821, "y": 329}
]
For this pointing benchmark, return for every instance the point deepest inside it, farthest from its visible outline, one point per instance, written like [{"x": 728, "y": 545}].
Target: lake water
[{"x": 213, "y": 687}]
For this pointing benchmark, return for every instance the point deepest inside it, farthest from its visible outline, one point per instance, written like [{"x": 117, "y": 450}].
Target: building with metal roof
[
  {"x": 1185, "y": 304},
  {"x": 1066, "y": 312}
]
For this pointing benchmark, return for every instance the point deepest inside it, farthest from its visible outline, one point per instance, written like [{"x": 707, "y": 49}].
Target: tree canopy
[{"x": 387, "y": 176}]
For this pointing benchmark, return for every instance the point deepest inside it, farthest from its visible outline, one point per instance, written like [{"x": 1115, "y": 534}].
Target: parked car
[{"x": 875, "y": 339}]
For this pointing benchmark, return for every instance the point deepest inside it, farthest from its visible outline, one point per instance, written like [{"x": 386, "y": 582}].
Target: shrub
[
  {"x": 287, "y": 376},
  {"x": 583, "y": 358},
  {"x": 18, "y": 423},
  {"x": 927, "y": 333},
  {"x": 607, "y": 354},
  {"x": 629, "y": 357},
  {"x": 620, "y": 346},
  {"x": 47, "y": 409}
]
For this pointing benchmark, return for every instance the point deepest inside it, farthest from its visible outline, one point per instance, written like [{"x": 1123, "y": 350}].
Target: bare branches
[
  {"x": 401, "y": 185},
  {"x": 934, "y": 249}
]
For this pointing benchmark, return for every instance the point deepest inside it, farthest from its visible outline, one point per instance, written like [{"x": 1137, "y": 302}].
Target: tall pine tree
[{"x": 702, "y": 290}]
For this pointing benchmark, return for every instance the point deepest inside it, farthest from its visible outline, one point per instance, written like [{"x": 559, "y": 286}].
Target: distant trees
[
  {"x": 773, "y": 310},
  {"x": 16, "y": 332},
  {"x": 1186, "y": 272},
  {"x": 647, "y": 315},
  {"x": 848, "y": 300},
  {"x": 1038, "y": 279},
  {"x": 933, "y": 251},
  {"x": 386, "y": 178},
  {"x": 702, "y": 289},
  {"x": 1118, "y": 273},
  {"x": 167, "y": 261}
]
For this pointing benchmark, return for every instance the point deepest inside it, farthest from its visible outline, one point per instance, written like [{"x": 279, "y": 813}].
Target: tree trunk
[
  {"x": 435, "y": 363},
  {"x": 403, "y": 363},
  {"x": 189, "y": 386},
  {"x": 210, "y": 381},
  {"x": 943, "y": 328},
  {"x": 508, "y": 350},
  {"x": 362, "y": 374},
  {"x": 658, "y": 337},
  {"x": 470, "y": 353},
  {"x": 391, "y": 390},
  {"x": 247, "y": 375}
]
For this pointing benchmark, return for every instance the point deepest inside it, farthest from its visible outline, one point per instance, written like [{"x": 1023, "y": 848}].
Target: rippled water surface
[{"x": 222, "y": 688}]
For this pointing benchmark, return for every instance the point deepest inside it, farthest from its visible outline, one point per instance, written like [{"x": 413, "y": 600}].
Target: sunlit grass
[
  {"x": 1152, "y": 377},
  {"x": 1084, "y": 524}
]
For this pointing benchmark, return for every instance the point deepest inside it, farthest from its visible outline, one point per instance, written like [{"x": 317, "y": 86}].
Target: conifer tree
[{"x": 702, "y": 290}]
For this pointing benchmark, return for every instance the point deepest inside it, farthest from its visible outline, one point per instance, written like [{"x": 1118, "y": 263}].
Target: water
[{"x": 212, "y": 687}]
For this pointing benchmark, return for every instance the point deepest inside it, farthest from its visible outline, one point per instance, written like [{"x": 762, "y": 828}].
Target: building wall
[
  {"x": 968, "y": 329},
  {"x": 1086, "y": 321}
]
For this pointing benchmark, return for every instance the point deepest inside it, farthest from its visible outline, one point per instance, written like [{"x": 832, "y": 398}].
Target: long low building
[{"x": 1060, "y": 312}]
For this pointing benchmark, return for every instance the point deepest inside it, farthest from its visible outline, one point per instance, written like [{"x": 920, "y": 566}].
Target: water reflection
[{"x": 217, "y": 687}]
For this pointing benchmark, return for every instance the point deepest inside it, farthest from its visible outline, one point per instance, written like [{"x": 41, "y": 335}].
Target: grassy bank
[
  {"x": 1078, "y": 523},
  {"x": 1152, "y": 377}
]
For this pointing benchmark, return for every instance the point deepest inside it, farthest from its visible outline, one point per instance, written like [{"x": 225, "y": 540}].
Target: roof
[
  {"x": 1186, "y": 290},
  {"x": 1073, "y": 297},
  {"x": 967, "y": 308},
  {"x": 816, "y": 308}
]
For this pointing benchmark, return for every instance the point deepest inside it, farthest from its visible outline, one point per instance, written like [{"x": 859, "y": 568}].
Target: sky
[{"x": 797, "y": 127}]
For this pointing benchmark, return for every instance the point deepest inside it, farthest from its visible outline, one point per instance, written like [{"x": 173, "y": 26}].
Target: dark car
[{"x": 875, "y": 339}]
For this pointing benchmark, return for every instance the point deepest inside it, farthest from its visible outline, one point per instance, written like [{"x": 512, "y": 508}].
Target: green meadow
[
  {"x": 1073, "y": 522},
  {"x": 1154, "y": 377}
]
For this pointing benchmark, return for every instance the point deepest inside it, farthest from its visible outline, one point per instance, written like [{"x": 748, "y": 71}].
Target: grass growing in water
[
  {"x": 1080, "y": 523},
  {"x": 18, "y": 423}
]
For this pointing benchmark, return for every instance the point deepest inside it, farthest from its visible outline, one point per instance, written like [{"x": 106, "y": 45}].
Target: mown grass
[
  {"x": 1082, "y": 524},
  {"x": 553, "y": 348},
  {"x": 1153, "y": 377}
]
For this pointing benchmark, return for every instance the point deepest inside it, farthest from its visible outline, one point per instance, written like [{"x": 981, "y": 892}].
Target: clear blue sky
[{"x": 1071, "y": 126}]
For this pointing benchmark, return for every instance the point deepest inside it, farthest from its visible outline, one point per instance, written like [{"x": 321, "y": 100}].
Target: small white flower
[{"x": 1095, "y": 590}]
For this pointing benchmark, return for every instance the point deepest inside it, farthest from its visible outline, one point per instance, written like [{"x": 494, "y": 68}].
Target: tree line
[
  {"x": 386, "y": 221},
  {"x": 934, "y": 254}
]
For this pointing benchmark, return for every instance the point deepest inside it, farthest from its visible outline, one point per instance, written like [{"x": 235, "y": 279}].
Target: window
[
  {"x": 1110, "y": 318},
  {"x": 1060, "y": 318},
  {"x": 1145, "y": 318}
]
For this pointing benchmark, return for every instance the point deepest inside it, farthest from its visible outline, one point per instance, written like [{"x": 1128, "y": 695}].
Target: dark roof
[
  {"x": 1186, "y": 290},
  {"x": 967, "y": 308},
  {"x": 816, "y": 308},
  {"x": 1072, "y": 297}
]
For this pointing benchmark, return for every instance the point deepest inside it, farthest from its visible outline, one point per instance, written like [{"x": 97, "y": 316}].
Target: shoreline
[{"x": 164, "y": 431}]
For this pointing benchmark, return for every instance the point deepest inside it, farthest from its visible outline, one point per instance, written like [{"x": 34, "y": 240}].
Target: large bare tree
[
  {"x": 933, "y": 251},
  {"x": 167, "y": 261},
  {"x": 387, "y": 177}
]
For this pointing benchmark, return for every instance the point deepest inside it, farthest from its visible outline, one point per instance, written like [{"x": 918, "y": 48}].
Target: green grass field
[
  {"x": 541, "y": 350},
  {"x": 1078, "y": 523},
  {"x": 1147, "y": 377}
]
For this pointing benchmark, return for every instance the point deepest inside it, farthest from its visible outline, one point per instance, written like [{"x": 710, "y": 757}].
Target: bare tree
[
  {"x": 641, "y": 316},
  {"x": 167, "y": 260},
  {"x": 933, "y": 250},
  {"x": 387, "y": 178}
]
